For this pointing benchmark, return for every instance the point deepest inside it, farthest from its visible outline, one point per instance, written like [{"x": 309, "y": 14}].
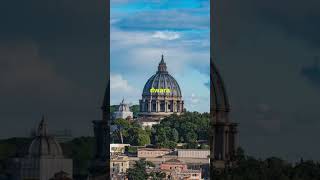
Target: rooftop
[
  {"x": 119, "y": 158},
  {"x": 193, "y": 150},
  {"x": 173, "y": 161},
  {"x": 154, "y": 149},
  {"x": 190, "y": 171}
]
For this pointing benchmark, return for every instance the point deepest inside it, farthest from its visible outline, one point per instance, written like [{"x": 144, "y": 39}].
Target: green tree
[
  {"x": 173, "y": 135},
  {"x": 138, "y": 172},
  {"x": 186, "y": 128},
  {"x": 204, "y": 146},
  {"x": 143, "y": 139},
  {"x": 122, "y": 128},
  {"x": 191, "y": 137},
  {"x": 81, "y": 151},
  {"x": 250, "y": 168},
  {"x": 131, "y": 149},
  {"x": 138, "y": 136},
  {"x": 135, "y": 109},
  {"x": 157, "y": 175},
  {"x": 113, "y": 108}
]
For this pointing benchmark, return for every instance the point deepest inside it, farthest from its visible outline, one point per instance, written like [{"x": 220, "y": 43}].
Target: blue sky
[{"x": 143, "y": 30}]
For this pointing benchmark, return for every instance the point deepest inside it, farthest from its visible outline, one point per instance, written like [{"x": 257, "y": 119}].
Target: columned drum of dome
[{"x": 161, "y": 94}]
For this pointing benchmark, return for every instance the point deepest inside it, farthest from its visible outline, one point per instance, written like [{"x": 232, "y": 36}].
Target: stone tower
[
  {"x": 223, "y": 137},
  {"x": 99, "y": 169}
]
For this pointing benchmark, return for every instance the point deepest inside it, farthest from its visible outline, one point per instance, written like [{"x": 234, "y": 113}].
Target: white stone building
[{"x": 123, "y": 111}]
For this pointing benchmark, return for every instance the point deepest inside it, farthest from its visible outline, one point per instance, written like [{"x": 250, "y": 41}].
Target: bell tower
[{"x": 99, "y": 169}]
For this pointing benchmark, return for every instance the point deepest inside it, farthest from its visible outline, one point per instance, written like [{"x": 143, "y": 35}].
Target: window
[
  {"x": 162, "y": 106},
  {"x": 154, "y": 107}
]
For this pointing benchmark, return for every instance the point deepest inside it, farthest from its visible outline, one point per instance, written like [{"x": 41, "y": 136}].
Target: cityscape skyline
[
  {"x": 141, "y": 31},
  {"x": 57, "y": 66}
]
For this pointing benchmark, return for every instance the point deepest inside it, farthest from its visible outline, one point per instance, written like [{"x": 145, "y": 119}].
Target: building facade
[
  {"x": 119, "y": 166},
  {"x": 148, "y": 122},
  {"x": 176, "y": 170},
  {"x": 193, "y": 153},
  {"x": 174, "y": 164},
  {"x": 190, "y": 175}
]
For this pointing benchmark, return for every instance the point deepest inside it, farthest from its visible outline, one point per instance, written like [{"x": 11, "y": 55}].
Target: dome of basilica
[
  {"x": 161, "y": 95},
  {"x": 162, "y": 80},
  {"x": 43, "y": 144}
]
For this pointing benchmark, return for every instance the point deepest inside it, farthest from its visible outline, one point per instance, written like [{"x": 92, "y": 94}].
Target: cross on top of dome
[
  {"x": 162, "y": 68},
  {"x": 162, "y": 60},
  {"x": 43, "y": 129}
]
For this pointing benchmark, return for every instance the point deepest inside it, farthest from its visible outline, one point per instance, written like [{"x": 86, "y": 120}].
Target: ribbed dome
[
  {"x": 162, "y": 80},
  {"x": 44, "y": 145}
]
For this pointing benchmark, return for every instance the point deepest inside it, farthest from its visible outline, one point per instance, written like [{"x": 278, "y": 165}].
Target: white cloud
[
  {"x": 192, "y": 102},
  {"x": 166, "y": 35},
  {"x": 194, "y": 99},
  {"x": 166, "y": 20},
  {"x": 124, "y": 39},
  {"x": 143, "y": 50},
  {"x": 120, "y": 88},
  {"x": 117, "y": 83}
]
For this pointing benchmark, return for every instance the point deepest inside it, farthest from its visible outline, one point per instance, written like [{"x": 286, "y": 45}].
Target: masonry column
[
  {"x": 227, "y": 149},
  {"x": 166, "y": 106},
  {"x": 234, "y": 137},
  {"x": 224, "y": 153},
  {"x": 157, "y": 106},
  {"x": 175, "y": 106},
  {"x": 149, "y": 105}
]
